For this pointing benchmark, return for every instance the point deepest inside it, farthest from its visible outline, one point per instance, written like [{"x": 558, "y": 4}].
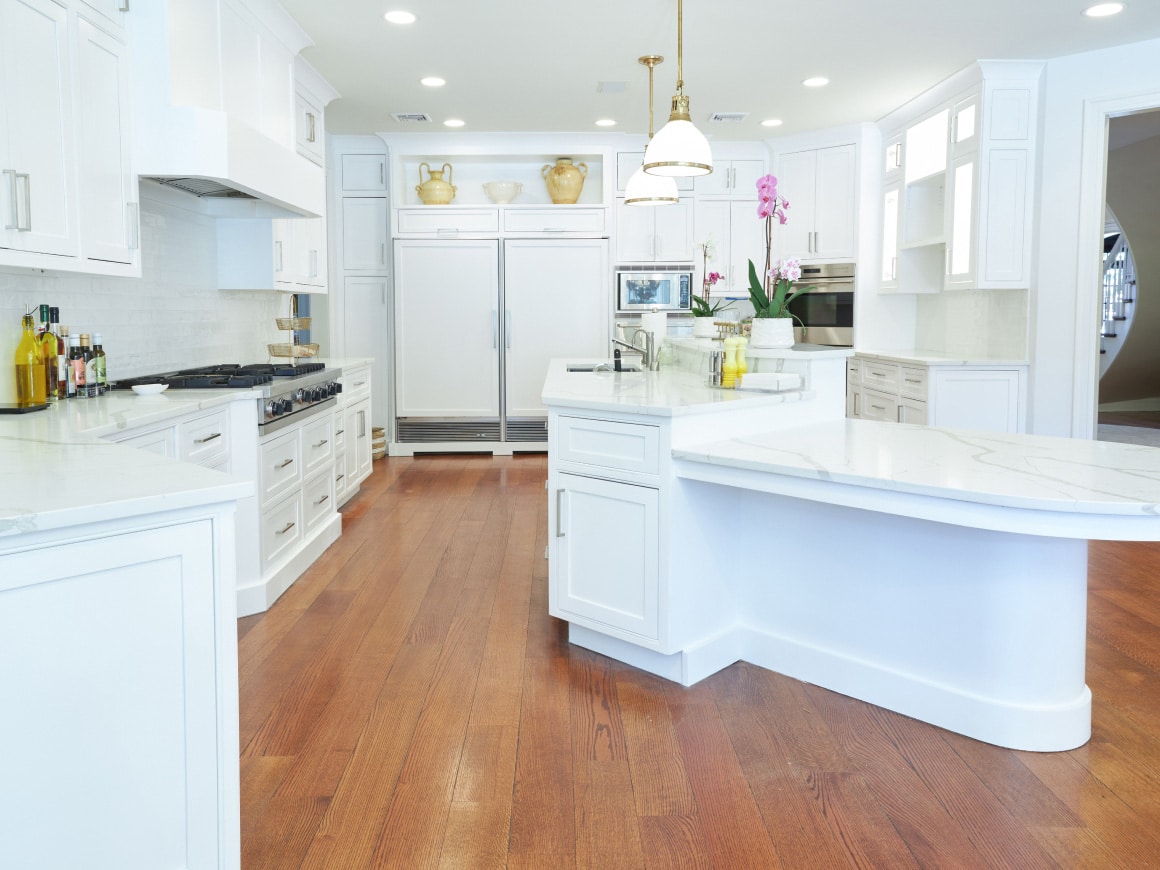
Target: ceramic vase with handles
[
  {"x": 435, "y": 191},
  {"x": 564, "y": 180},
  {"x": 771, "y": 332}
]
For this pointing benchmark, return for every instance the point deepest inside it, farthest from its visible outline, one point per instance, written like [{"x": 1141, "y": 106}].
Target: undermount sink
[{"x": 600, "y": 367}]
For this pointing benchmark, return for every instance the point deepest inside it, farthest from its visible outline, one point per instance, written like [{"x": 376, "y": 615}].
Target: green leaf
[{"x": 757, "y": 293}]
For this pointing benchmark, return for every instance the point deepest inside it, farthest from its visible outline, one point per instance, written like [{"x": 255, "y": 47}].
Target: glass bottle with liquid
[
  {"x": 76, "y": 368},
  {"x": 48, "y": 349},
  {"x": 29, "y": 366},
  {"x": 62, "y": 359},
  {"x": 90, "y": 366},
  {"x": 99, "y": 360}
]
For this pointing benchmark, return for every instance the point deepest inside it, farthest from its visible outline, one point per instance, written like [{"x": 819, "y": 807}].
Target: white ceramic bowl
[
  {"x": 149, "y": 389},
  {"x": 501, "y": 192}
]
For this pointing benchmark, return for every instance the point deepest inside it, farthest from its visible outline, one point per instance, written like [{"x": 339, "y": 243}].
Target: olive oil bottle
[{"x": 30, "y": 380}]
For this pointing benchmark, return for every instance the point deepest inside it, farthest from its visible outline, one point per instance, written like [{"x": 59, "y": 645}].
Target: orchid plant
[
  {"x": 771, "y": 297},
  {"x": 703, "y": 306}
]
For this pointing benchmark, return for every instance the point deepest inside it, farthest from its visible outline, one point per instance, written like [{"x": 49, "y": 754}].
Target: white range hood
[{"x": 214, "y": 113}]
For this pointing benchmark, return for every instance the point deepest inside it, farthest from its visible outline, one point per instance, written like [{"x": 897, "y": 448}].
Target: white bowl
[
  {"x": 501, "y": 192},
  {"x": 149, "y": 389}
]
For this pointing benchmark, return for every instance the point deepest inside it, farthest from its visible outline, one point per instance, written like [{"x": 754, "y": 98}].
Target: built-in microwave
[
  {"x": 825, "y": 314},
  {"x": 664, "y": 291}
]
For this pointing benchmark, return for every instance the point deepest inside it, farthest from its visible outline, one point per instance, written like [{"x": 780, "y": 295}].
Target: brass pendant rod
[
  {"x": 680, "y": 47},
  {"x": 650, "y": 60}
]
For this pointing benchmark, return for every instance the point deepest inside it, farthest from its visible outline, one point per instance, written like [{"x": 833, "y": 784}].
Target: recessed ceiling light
[
  {"x": 1103, "y": 10},
  {"x": 771, "y": 122},
  {"x": 398, "y": 16},
  {"x": 606, "y": 122},
  {"x": 453, "y": 122},
  {"x": 433, "y": 81},
  {"x": 816, "y": 82}
]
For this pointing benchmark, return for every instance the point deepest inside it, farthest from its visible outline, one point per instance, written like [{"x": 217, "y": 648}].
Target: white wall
[
  {"x": 172, "y": 317},
  {"x": 1064, "y": 302}
]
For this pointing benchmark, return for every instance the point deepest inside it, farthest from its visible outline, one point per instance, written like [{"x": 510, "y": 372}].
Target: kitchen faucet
[{"x": 648, "y": 356}]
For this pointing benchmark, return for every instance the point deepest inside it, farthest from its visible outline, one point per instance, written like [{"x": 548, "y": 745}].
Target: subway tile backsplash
[
  {"x": 974, "y": 324},
  {"x": 172, "y": 317}
]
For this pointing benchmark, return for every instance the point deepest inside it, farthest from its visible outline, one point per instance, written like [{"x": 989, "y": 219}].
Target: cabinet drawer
[
  {"x": 912, "y": 382},
  {"x": 206, "y": 439},
  {"x": 589, "y": 221},
  {"x": 318, "y": 500},
  {"x": 853, "y": 371},
  {"x": 912, "y": 411},
  {"x": 281, "y": 530},
  {"x": 878, "y": 406},
  {"x": 880, "y": 376},
  {"x": 356, "y": 384},
  {"x": 160, "y": 441},
  {"x": 280, "y": 469},
  {"x": 607, "y": 444},
  {"x": 317, "y": 444},
  {"x": 447, "y": 223}
]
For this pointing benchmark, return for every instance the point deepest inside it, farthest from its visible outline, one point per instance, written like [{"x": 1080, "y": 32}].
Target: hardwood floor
[{"x": 409, "y": 703}]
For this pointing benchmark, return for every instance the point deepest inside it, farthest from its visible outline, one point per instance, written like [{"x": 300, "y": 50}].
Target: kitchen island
[
  {"x": 118, "y": 652},
  {"x": 939, "y": 573}
]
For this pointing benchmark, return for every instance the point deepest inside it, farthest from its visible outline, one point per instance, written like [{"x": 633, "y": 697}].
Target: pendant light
[
  {"x": 679, "y": 148},
  {"x": 642, "y": 188}
]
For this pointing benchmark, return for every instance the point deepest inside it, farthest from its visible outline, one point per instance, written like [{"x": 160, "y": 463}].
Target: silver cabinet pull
[
  {"x": 284, "y": 529},
  {"x": 124, "y": 6},
  {"x": 277, "y": 256},
  {"x": 26, "y": 226},
  {"x": 283, "y": 465},
  {"x": 857, "y": 404},
  {"x": 559, "y": 511},
  {"x": 340, "y": 477},
  {"x": 322, "y": 500},
  {"x": 340, "y": 432},
  {"x": 207, "y": 438},
  {"x": 320, "y": 443},
  {"x": 310, "y": 121}
]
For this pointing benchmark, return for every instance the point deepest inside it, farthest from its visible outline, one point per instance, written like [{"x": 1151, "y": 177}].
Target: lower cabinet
[
  {"x": 353, "y": 433},
  {"x": 607, "y": 537},
  {"x": 983, "y": 397}
]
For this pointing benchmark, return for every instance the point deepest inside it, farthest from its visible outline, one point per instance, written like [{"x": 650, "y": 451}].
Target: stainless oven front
[
  {"x": 825, "y": 314},
  {"x": 660, "y": 290}
]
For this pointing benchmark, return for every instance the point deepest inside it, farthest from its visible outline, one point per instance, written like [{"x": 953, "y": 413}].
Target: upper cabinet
[
  {"x": 820, "y": 186},
  {"x": 958, "y": 183},
  {"x": 311, "y": 95},
  {"x": 730, "y": 178},
  {"x": 655, "y": 234},
  {"x": 68, "y": 197}
]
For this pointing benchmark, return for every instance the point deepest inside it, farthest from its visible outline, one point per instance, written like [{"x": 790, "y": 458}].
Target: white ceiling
[{"x": 524, "y": 66}]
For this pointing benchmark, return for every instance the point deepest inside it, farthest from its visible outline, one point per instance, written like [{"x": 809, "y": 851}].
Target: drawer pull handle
[
  {"x": 322, "y": 500},
  {"x": 283, "y": 465},
  {"x": 284, "y": 529},
  {"x": 340, "y": 432},
  {"x": 320, "y": 443},
  {"x": 912, "y": 381},
  {"x": 559, "y": 511},
  {"x": 878, "y": 408},
  {"x": 207, "y": 438},
  {"x": 340, "y": 477},
  {"x": 361, "y": 384}
]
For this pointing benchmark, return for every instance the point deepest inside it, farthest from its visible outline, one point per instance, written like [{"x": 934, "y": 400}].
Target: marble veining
[{"x": 1021, "y": 471}]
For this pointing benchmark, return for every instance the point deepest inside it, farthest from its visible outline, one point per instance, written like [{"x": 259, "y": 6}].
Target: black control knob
[
  {"x": 337, "y": 387},
  {"x": 274, "y": 408},
  {"x": 315, "y": 394},
  {"x": 331, "y": 389},
  {"x": 287, "y": 405}
]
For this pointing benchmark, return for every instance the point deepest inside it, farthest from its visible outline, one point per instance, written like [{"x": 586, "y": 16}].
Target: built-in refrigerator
[{"x": 476, "y": 321}]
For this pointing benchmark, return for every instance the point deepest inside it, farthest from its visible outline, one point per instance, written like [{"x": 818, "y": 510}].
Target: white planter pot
[
  {"x": 772, "y": 332},
  {"x": 703, "y": 327}
]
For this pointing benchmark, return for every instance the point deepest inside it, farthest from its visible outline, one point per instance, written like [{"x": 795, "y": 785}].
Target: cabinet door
[
  {"x": 984, "y": 399},
  {"x": 961, "y": 214},
  {"x": 108, "y": 210},
  {"x": 912, "y": 411},
  {"x": 365, "y": 333},
  {"x": 607, "y": 538},
  {"x": 36, "y": 133},
  {"x": 556, "y": 305},
  {"x": 743, "y": 177},
  {"x": 447, "y": 328},
  {"x": 878, "y": 406},
  {"x": 796, "y": 182},
  {"x": 635, "y": 232},
  {"x": 891, "y": 216},
  {"x": 673, "y": 237},
  {"x": 364, "y": 172},
  {"x": 834, "y": 204},
  {"x": 310, "y": 242},
  {"x": 364, "y": 233},
  {"x": 308, "y": 129},
  {"x": 360, "y": 440}
]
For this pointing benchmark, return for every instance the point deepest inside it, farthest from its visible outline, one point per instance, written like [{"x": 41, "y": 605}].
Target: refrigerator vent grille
[
  {"x": 527, "y": 430},
  {"x": 429, "y": 431}
]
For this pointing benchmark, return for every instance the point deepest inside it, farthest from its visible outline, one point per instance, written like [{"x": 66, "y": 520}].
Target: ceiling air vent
[
  {"x": 413, "y": 117},
  {"x": 727, "y": 117}
]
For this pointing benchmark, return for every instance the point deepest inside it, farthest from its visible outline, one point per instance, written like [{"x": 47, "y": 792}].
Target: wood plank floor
[{"x": 409, "y": 703}]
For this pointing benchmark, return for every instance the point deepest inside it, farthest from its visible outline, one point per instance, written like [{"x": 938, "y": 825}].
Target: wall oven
[
  {"x": 826, "y": 313},
  {"x": 638, "y": 291}
]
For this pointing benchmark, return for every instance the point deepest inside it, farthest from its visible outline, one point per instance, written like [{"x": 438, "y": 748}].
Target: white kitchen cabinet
[
  {"x": 982, "y": 397},
  {"x": 37, "y": 134},
  {"x": 308, "y": 127},
  {"x": 364, "y": 234},
  {"x": 259, "y": 69},
  {"x": 363, "y": 173},
  {"x": 820, "y": 186},
  {"x": 109, "y": 15},
  {"x": 730, "y": 178},
  {"x": 446, "y": 223},
  {"x": 564, "y": 317},
  {"x": 286, "y": 254},
  {"x": 109, "y": 217},
  {"x": 447, "y": 293},
  {"x": 556, "y": 221},
  {"x": 606, "y": 537},
  {"x": 366, "y": 333},
  {"x": 737, "y": 235},
  {"x": 300, "y": 254},
  {"x": 353, "y": 432},
  {"x": 655, "y": 234}
]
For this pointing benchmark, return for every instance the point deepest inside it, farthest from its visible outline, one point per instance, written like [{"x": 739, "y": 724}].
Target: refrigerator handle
[
  {"x": 507, "y": 329},
  {"x": 494, "y": 329}
]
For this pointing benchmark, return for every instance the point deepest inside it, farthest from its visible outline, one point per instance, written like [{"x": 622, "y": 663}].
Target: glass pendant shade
[
  {"x": 645, "y": 189},
  {"x": 678, "y": 149}
]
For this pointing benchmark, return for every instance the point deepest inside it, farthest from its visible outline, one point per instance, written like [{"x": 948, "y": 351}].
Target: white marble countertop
[
  {"x": 936, "y": 358},
  {"x": 797, "y": 352},
  {"x": 670, "y": 392},
  {"x": 1061, "y": 475},
  {"x": 57, "y": 471}
]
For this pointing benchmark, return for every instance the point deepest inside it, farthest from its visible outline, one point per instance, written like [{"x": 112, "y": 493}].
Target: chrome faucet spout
[{"x": 648, "y": 354}]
